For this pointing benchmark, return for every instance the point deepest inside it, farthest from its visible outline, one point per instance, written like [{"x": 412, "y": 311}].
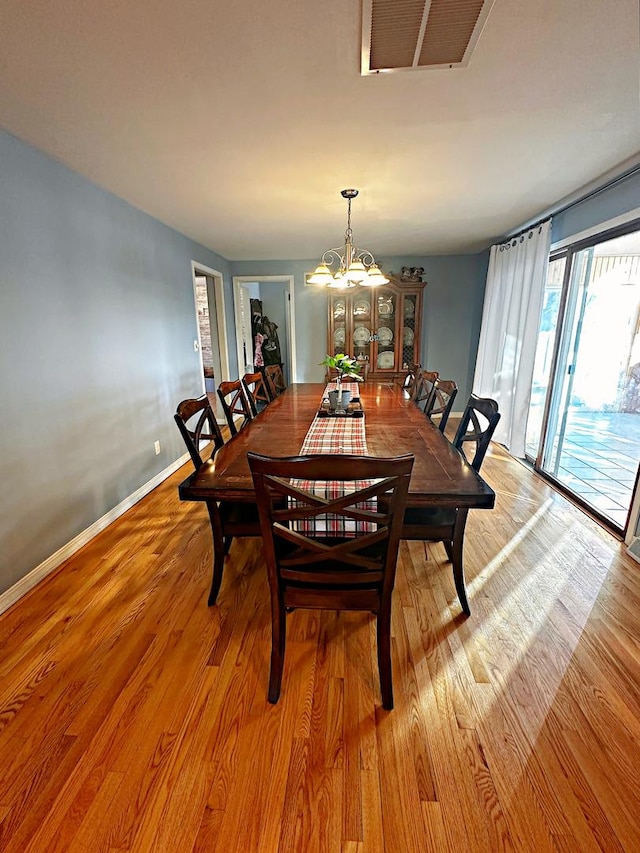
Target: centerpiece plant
[{"x": 345, "y": 367}]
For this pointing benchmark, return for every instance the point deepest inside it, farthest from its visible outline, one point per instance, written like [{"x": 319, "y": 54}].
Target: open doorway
[
  {"x": 265, "y": 318},
  {"x": 212, "y": 333}
]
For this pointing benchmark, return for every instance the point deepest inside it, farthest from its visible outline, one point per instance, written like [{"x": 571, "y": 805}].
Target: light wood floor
[{"x": 134, "y": 717}]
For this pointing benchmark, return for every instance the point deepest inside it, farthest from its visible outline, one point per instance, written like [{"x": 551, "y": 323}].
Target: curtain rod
[{"x": 565, "y": 204}]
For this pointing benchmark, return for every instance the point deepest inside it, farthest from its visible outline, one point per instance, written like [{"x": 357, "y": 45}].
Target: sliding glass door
[{"x": 584, "y": 423}]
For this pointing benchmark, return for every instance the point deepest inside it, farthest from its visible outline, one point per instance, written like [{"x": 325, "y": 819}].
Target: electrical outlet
[
  {"x": 195, "y": 346},
  {"x": 156, "y": 447}
]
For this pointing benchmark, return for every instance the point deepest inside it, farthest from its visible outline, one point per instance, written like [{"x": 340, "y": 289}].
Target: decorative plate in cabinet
[
  {"x": 361, "y": 336},
  {"x": 385, "y": 335},
  {"x": 386, "y": 360}
]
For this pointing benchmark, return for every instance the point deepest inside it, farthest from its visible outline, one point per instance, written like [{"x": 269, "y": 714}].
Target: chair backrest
[
  {"x": 197, "y": 422},
  {"x": 440, "y": 402},
  {"x": 345, "y": 567},
  {"x": 234, "y": 402},
  {"x": 268, "y": 381},
  {"x": 478, "y": 424},
  {"x": 275, "y": 374},
  {"x": 256, "y": 391},
  {"x": 425, "y": 380}
]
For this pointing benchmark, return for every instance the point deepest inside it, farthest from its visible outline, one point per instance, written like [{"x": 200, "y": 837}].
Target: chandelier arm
[
  {"x": 332, "y": 255},
  {"x": 364, "y": 255}
]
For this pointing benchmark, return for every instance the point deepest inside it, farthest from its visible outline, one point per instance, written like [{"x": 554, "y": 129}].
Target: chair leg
[
  {"x": 384, "y": 656},
  {"x": 457, "y": 560},
  {"x": 218, "y": 552},
  {"x": 278, "y": 637},
  {"x": 227, "y": 544}
]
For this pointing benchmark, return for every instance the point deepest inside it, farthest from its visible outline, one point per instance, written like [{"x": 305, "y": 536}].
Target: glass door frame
[{"x": 555, "y": 384}]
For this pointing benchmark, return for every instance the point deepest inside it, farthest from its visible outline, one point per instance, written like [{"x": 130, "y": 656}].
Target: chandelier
[{"x": 354, "y": 265}]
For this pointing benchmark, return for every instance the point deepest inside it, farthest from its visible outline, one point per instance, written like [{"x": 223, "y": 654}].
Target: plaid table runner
[
  {"x": 335, "y": 435},
  {"x": 354, "y": 387}
]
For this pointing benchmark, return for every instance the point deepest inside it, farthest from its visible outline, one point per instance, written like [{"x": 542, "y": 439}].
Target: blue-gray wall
[
  {"x": 452, "y": 313},
  {"x": 97, "y": 323}
]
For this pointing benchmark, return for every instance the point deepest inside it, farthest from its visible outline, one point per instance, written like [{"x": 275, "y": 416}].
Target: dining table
[{"x": 393, "y": 425}]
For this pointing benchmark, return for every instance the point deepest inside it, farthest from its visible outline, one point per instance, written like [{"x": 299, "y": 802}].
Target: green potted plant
[{"x": 345, "y": 367}]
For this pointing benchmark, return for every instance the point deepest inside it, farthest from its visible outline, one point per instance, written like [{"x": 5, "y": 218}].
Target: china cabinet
[{"x": 379, "y": 326}]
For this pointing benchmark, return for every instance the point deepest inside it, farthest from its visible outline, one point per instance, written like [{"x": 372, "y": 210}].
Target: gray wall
[
  {"x": 97, "y": 323},
  {"x": 451, "y": 314}
]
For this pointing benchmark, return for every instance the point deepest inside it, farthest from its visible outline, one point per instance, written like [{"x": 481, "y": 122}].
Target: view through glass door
[{"x": 592, "y": 371}]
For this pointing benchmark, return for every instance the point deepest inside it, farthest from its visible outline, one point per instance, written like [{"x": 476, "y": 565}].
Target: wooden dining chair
[
  {"x": 440, "y": 402},
  {"x": 269, "y": 383},
  {"x": 197, "y": 424},
  {"x": 446, "y": 525},
  {"x": 425, "y": 380},
  {"x": 410, "y": 378},
  {"x": 234, "y": 402},
  {"x": 340, "y": 572},
  {"x": 256, "y": 392},
  {"x": 275, "y": 374}
]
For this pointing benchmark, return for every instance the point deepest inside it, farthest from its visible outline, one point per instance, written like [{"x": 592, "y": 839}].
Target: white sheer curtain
[{"x": 509, "y": 332}]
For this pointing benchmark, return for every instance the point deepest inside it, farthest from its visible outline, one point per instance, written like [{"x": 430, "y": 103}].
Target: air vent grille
[
  {"x": 394, "y": 32},
  {"x": 418, "y": 34}
]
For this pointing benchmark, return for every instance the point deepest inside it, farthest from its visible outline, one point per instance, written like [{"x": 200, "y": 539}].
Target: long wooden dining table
[{"x": 393, "y": 425}]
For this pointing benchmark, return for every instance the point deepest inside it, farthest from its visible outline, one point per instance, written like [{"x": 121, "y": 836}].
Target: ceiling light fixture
[{"x": 355, "y": 266}]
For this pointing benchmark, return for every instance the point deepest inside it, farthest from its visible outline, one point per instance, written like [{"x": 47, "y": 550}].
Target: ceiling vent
[{"x": 410, "y": 35}]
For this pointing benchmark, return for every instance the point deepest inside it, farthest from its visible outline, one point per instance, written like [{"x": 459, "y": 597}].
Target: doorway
[
  {"x": 273, "y": 298},
  {"x": 212, "y": 333},
  {"x": 584, "y": 421}
]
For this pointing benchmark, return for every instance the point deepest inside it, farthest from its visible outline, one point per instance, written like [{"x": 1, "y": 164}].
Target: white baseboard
[{"x": 22, "y": 587}]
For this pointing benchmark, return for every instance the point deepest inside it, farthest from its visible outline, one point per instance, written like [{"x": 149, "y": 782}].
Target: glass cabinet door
[
  {"x": 386, "y": 330},
  {"x": 410, "y": 335},
  {"x": 362, "y": 327},
  {"x": 339, "y": 312}
]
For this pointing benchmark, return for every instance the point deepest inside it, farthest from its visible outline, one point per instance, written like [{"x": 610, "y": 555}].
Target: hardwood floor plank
[
  {"x": 209, "y": 831},
  {"x": 372, "y": 821},
  {"x": 162, "y": 826},
  {"x": 584, "y": 794},
  {"x": 408, "y": 642},
  {"x": 97, "y": 818},
  {"x": 402, "y": 816},
  {"x": 296, "y": 826},
  {"x": 357, "y": 670},
  {"x": 247, "y": 819},
  {"x": 620, "y": 807},
  {"x": 32, "y": 801},
  {"x": 274, "y": 808},
  {"x": 434, "y": 824}
]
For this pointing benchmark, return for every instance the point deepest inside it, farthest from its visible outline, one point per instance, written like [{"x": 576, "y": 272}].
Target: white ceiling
[{"x": 239, "y": 122}]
